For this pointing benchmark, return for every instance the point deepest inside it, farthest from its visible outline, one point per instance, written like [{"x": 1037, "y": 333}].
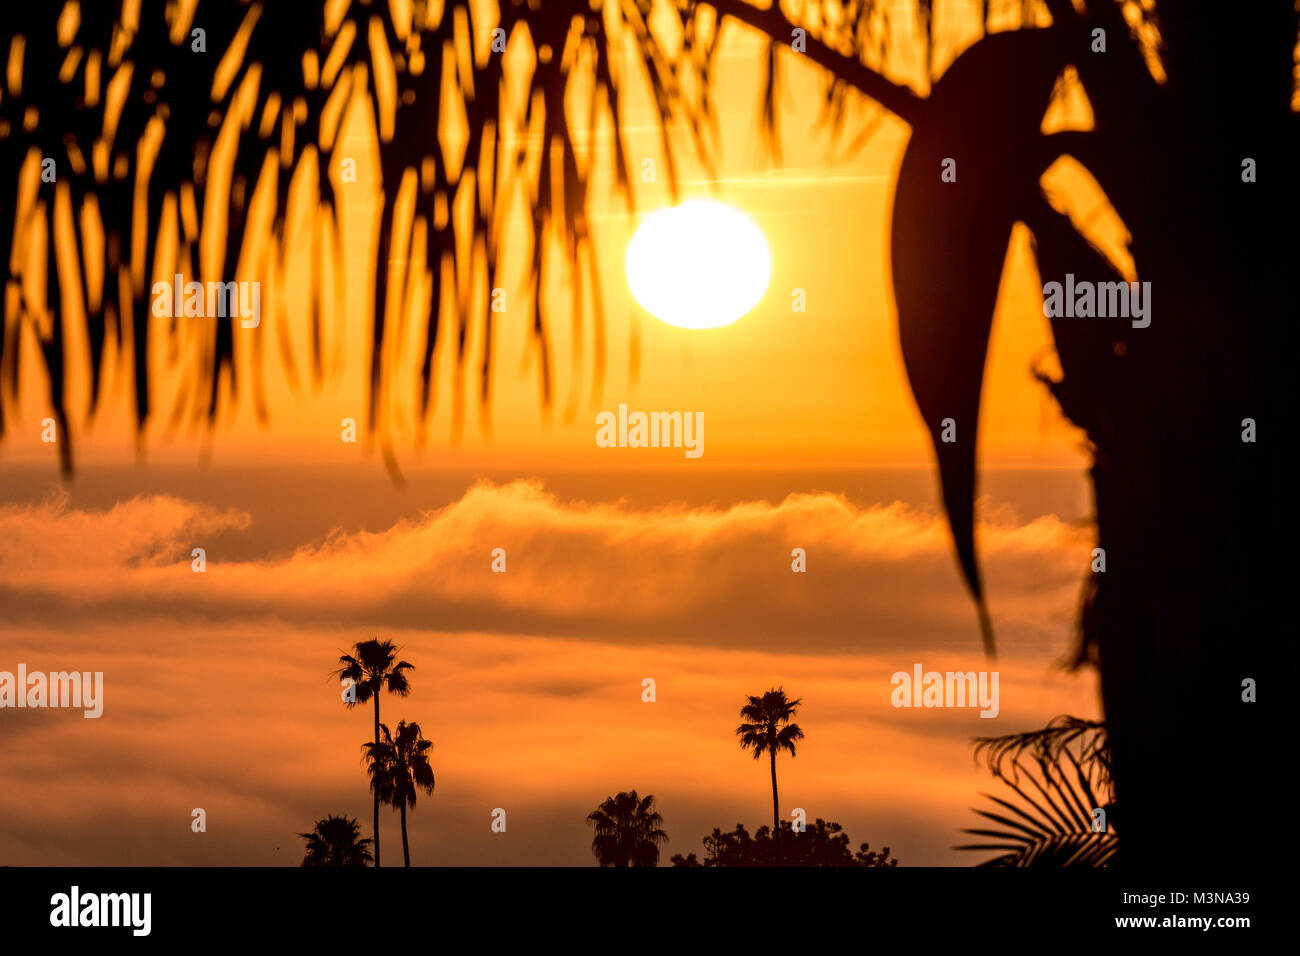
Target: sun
[{"x": 698, "y": 265}]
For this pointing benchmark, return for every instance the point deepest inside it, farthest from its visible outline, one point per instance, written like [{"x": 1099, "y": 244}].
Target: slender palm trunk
[
  {"x": 406, "y": 850},
  {"x": 776, "y": 810},
  {"x": 376, "y": 793}
]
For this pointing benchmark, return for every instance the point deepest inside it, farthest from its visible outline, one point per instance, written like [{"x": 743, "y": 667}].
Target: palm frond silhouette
[
  {"x": 202, "y": 107},
  {"x": 1058, "y": 778}
]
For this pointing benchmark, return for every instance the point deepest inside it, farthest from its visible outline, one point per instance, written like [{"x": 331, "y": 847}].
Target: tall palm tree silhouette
[
  {"x": 628, "y": 830},
  {"x": 399, "y": 766},
  {"x": 767, "y": 730},
  {"x": 336, "y": 841},
  {"x": 372, "y": 669}
]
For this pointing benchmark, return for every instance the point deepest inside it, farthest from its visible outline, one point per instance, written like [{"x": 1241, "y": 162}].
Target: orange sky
[
  {"x": 529, "y": 682},
  {"x": 831, "y": 381},
  {"x": 623, "y": 564}
]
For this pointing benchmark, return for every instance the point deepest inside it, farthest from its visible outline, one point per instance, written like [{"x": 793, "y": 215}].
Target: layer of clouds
[{"x": 878, "y": 578}]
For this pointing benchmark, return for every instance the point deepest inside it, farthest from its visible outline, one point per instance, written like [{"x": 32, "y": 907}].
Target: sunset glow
[{"x": 682, "y": 433}]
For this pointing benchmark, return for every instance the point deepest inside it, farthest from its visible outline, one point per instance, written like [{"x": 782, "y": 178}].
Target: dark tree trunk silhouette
[
  {"x": 376, "y": 792},
  {"x": 776, "y": 810},
  {"x": 406, "y": 849},
  {"x": 1186, "y": 510}
]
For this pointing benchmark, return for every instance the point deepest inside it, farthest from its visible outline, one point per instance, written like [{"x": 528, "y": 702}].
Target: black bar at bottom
[{"x": 248, "y": 904}]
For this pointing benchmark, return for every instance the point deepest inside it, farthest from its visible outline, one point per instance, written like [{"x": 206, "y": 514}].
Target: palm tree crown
[
  {"x": 370, "y": 666},
  {"x": 399, "y": 767},
  {"x": 628, "y": 830},
  {"x": 765, "y": 716},
  {"x": 768, "y": 730},
  {"x": 336, "y": 841}
]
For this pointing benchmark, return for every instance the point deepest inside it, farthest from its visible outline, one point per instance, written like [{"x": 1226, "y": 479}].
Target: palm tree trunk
[
  {"x": 776, "y": 811},
  {"x": 376, "y": 793},
  {"x": 406, "y": 850},
  {"x": 1187, "y": 511}
]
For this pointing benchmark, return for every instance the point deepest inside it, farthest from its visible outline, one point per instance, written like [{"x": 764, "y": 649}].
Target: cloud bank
[{"x": 878, "y": 578}]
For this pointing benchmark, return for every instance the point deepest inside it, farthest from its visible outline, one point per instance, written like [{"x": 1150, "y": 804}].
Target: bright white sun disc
[{"x": 698, "y": 265}]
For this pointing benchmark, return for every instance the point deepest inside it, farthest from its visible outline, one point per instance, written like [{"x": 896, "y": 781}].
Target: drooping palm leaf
[
  {"x": 277, "y": 78},
  {"x": 133, "y": 105},
  {"x": 1056, "y": 777}
]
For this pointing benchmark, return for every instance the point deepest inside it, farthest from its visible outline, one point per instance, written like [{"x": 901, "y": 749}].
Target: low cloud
[{"x": 878, "y": 578}]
